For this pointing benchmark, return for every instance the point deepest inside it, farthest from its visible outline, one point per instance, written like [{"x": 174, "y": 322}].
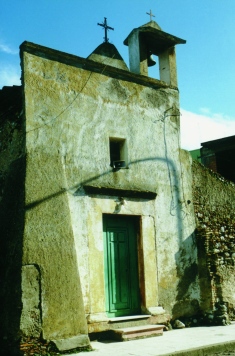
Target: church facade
[{"x": 107, "y": 224}]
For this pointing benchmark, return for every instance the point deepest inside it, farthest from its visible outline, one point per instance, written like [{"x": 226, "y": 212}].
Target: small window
[{"x": 118, "y": 152}]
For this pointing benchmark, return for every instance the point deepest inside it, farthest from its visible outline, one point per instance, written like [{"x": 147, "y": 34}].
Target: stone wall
[{"x": 214, "y": 203}]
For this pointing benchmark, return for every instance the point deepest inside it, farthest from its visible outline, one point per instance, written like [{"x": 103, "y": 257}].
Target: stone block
[
  {"x": 137, "y": 332},
  {"x": 71, "y": 343}
]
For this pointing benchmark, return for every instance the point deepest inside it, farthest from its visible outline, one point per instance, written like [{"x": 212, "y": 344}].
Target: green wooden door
[{"x": 121, "y": 265}]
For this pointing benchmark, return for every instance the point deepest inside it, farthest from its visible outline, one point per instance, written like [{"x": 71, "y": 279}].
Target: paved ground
[{"x": 214, "y": 340}]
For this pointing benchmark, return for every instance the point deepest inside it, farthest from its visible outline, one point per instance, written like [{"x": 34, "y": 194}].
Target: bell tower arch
[{"x": 148, "y": 40}]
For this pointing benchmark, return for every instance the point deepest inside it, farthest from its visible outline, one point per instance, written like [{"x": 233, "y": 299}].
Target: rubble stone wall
[{"x": 214, "y": 203}]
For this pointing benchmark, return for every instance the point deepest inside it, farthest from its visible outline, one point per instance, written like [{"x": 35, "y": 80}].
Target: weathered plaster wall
[
  {"x": 177, "y": 255},
  {"x": 31, "y": 294},
  {"x": 48, "y": 238},
  {"x": 71, "y": 113},
  {"x": 214, "y": 200}
]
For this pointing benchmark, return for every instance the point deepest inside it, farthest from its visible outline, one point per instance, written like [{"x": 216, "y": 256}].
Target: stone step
[
  {"x": 128, "y": 321},
  {"x": 137, "y": 332}
]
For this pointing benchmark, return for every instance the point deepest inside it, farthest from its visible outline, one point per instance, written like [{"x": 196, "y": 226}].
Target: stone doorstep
[
  {"x": 118, "y": 322},
  {"x": 137, "y": 332},
  {"x": 127, "y": 318},
  {"x": 128, "y": 321}
]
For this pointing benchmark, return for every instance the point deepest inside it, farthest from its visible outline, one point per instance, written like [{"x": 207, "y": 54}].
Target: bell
[{"x": 151, "y": 61}]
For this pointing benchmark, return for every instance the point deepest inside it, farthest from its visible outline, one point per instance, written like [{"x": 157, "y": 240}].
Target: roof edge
[
  {"x": 90, "y": 65},
  {"x": 156, "y": 32}
]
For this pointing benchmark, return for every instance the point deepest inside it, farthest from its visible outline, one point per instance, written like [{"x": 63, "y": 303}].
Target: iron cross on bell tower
[
  {"x": 106, "y": 28},
  {"x": 150, "y": 14}
]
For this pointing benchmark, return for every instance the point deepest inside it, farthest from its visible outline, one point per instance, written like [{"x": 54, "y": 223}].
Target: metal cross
[
  {"x": 150, "y": 14},
  {"x": 106, "y": 28}
]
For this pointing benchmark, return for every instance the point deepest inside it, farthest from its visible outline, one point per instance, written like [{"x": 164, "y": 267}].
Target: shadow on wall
[
  {"x": 12, "y": 229},
  {"x": 12, "y": 198},
  {"x": 186, "y": 275}
]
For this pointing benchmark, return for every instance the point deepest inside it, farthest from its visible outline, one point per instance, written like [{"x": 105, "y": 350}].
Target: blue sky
[{"x": 206, "y": 64}]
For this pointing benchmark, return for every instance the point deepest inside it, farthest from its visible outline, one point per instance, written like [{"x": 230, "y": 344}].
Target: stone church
[{"x": 97, "y": 212}]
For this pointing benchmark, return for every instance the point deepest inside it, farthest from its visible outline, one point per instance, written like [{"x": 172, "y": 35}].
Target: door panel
[
  {"x": 117, "y": 261},
  {"x": 121, "y": 265}
]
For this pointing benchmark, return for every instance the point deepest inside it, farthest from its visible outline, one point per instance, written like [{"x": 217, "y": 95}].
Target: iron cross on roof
[
  {"x": 150, "y": 14},
  {"x": 106, "y": 28}
]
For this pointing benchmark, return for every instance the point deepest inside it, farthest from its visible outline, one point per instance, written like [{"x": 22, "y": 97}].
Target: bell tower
[{"x": 148, "y": 40}]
